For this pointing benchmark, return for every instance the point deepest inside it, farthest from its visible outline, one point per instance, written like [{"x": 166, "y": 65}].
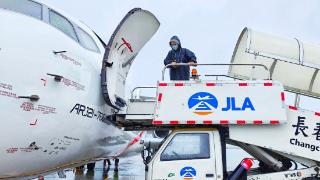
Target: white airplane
[
  {"x": 60, "y": 87},
  {"x": 202, "y": 98}
]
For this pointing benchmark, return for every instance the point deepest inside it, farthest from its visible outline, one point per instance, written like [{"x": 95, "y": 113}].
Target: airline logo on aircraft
[
  {"x": 188, "y": 173},
  {"x": 203, "y": 103}
]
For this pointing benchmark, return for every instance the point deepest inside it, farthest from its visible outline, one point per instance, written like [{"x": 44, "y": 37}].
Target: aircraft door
[{"x": 133, "y": 32}]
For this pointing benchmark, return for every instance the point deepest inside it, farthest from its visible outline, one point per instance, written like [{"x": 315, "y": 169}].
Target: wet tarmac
[{"x": 130, "y": 168}]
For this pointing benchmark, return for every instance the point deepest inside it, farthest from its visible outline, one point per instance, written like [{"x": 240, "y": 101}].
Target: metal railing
[
  {"x": 141, "y": 87},
  {"x": 187, "y": 64}
]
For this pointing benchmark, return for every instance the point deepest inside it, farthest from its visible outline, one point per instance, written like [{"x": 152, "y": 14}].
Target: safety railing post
[{"x": 186, "y": 64}]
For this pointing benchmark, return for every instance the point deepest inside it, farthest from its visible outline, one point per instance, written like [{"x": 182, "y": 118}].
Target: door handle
[
  {"x": 32, "y": 97},
  {"x": 56, "y": 77},
  {"x": 209, "y": 175},
  {"x": 107, "y": 64},
  {"x": 58, "y": 52}
]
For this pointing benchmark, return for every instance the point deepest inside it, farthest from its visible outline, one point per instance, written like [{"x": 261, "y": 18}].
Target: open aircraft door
[{"x": 133, "y": 32}]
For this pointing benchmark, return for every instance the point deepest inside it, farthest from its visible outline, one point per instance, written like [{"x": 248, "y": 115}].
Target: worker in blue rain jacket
[{"x": 177, "y": 54}]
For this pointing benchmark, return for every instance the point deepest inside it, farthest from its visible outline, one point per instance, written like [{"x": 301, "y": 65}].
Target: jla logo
[{"x": 204, "y": 103}]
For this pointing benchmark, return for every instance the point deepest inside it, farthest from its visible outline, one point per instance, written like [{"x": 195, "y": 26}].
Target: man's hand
[
  {"x": 191, "y": 63},
  {"x": 173, "y": 64}
]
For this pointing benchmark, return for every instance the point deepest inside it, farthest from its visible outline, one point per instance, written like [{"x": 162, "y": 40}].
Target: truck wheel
[
  {"x": 312, "y": 178},
  {"x": 265, "y": 168}
]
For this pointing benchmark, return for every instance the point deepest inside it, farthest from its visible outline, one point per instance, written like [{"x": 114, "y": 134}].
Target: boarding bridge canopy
[{"x": 290, "y": 61}]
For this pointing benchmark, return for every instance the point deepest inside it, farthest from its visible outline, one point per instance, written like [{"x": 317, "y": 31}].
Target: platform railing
[
  {"x": 141, "y": 87},
  {"x": 194, "y": 64}
]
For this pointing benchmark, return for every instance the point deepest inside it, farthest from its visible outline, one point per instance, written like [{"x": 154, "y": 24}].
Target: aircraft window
[
  {"x": 63, "y": 24},
  {"x": 186, "y": 147},
  {"x": 27, "y": 7},
  {"x": 86, "y": 40}
]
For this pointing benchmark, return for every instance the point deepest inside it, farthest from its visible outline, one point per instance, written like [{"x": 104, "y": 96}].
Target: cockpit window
[
  {"x": 86, "y": 40},
  {"x": 27, "y": 7},
  {"x": 62, "y": 23}
]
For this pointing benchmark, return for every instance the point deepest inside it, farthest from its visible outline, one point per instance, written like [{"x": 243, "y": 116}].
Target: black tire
[
  {"x": 91, "y": 166},
  {"x": 312, "y": 178}
]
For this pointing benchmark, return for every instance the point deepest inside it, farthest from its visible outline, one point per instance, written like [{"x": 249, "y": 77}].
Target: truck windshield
[{"x": 185, "y": 146}]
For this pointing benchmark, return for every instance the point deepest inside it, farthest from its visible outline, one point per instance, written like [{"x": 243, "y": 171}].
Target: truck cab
[{"x": 188, "y": 154}]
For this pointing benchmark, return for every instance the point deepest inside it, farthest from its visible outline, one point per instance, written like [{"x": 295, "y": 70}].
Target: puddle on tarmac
[{"x": 131, "y": 168}]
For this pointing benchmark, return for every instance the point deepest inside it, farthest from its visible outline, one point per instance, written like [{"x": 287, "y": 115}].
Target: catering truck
[
  {"x": 204, "y": 116},
  {"x": 245, "y": 108}
]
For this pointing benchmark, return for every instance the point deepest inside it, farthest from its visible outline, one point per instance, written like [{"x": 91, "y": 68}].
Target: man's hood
[{"x": 176, "y": 39}]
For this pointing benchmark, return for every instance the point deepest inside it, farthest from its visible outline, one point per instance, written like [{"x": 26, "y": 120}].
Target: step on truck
[{"x": 245, "y": 108}]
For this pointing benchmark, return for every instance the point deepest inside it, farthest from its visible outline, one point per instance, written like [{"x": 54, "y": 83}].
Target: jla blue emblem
[
  {"x": 188, "y": 172},
  {"x": 202, "y": 103}
]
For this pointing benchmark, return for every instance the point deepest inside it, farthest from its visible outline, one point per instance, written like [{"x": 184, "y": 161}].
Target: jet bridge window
[
  {"x": 27, "y": 7},
  {"x": 186, "y": 147},
  {"x": 63, "y": 24},
  {"x": 86, "y": 40}
]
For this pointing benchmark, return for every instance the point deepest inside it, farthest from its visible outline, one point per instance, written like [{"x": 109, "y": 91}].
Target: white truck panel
[
  {"x": 222, "y": 102},
  {"x": 299, "y": 137}
]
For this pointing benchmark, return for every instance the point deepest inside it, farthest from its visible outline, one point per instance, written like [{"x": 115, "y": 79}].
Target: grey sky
[{"x": 209, "y": 28}]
